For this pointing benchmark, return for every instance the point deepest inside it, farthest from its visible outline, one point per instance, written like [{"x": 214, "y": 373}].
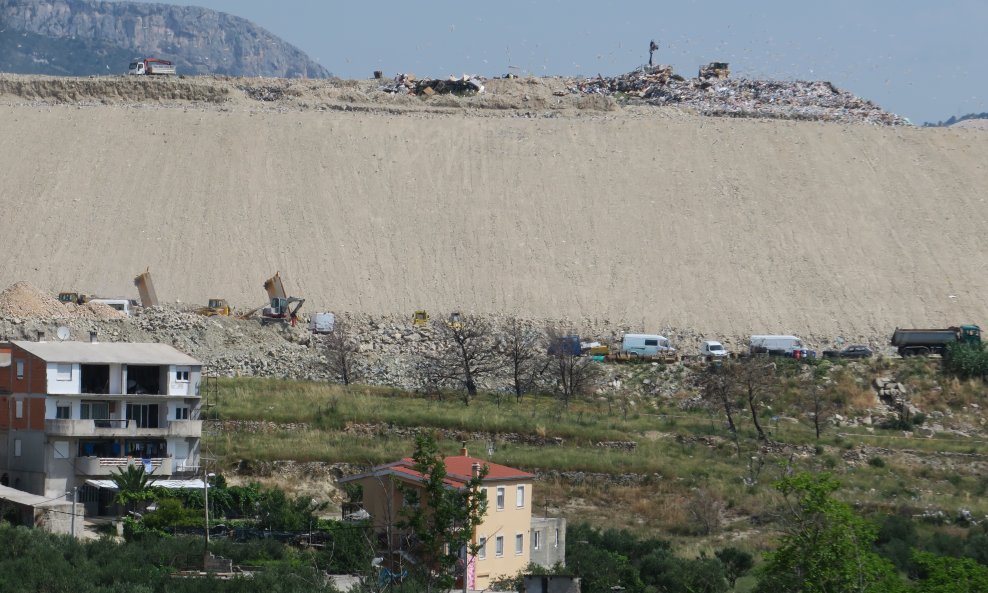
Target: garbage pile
[
  {"x": 407, "y": 84},
  {"x": 715, "y": 95}
]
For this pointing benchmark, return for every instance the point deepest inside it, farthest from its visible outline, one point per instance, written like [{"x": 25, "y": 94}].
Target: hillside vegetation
[{"x": 668, "y": 462}]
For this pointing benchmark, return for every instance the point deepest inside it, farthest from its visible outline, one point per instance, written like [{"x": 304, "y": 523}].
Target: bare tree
[
  {"x": 574, "y": 374},
  {"x": 466, "y": 353},
  {"x": 820, "y": 403},
  {"x": 520, "y": 346},
  {"x": 341, "y": 352},
  {"x": 754, "y": 378},
  {"x": 717, "y": 388}
]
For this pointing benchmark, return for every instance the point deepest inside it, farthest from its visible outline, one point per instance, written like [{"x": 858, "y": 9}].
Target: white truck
[
  {"x": 712, "y": 349},
  {"x": 646, "y": 344},
  {"x": 151, "y": 66},
  {"x": 777, "y": 345}
]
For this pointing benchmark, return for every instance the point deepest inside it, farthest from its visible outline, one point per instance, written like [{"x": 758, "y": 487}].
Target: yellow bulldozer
[{"x": 216, "y": 307}]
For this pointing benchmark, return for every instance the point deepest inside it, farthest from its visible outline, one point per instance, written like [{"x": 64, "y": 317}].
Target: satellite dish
[{"x": 63, "y": 333}]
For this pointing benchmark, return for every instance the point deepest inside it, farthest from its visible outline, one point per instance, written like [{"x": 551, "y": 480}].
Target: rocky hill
[{"x": 86, "y": 37}]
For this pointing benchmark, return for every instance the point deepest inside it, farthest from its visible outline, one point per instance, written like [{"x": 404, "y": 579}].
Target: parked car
[{"x": 852, "y": 351}]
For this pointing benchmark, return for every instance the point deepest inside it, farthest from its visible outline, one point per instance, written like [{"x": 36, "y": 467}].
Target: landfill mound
[
  {"x": 112, "y": 89},
  {"x": 728, "y": 97},
  {"x": 512, "y": 200}
]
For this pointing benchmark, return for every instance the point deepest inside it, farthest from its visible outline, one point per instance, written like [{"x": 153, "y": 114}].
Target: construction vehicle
[
  {"x": 76, "y": 298},
  {"x": 923, "y": 342},
  {"x": 420, "y": 318},
  {"x": 216, "y": 307},
  {"x": 151, "y": 66},
  {"x": 455, "y": 320},
  {"x": 145, "y": 287},
  {"x": 281, "y": 307}
]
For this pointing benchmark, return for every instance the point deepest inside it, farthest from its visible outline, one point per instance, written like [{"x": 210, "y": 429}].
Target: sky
[{"x": 923, "y": 60}]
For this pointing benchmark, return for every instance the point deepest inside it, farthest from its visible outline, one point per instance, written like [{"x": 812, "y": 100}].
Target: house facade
[
  {"x": 504, "y": 536},
  {"x": 72, "y": 413}
]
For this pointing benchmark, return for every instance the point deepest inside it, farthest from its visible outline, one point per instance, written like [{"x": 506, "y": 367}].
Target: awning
[{"x": 170, "y": 484}]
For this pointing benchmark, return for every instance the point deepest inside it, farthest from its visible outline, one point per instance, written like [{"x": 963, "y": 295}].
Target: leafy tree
[
  {"x": 442, "y": 518},
  {"x": 277, "y": 511},
  {"x": 943, "y": 574},
  {"x": 966, "y": 360},
  {"x": 826, "y": 548},
  {"x": 736, "y": 563},
  {"x": 133, "y": 486}
]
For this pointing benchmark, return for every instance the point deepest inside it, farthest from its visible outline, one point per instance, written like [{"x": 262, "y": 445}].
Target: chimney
[
  {"x": 476, "y": 469},
  {"x": 463, "y": 449},
  {"x": 92, "y": 337},
  {"x": 41, "y": 335}
]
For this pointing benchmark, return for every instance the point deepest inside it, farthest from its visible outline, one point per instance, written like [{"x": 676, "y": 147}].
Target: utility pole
[
  {"x": 205, "y": 506},
  {"x": 75, "y": 500}
]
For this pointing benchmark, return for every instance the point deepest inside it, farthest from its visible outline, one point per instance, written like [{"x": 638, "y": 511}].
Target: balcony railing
[
  {"x": 121, "y": 428},
  {"x": 106, "y": 466}
]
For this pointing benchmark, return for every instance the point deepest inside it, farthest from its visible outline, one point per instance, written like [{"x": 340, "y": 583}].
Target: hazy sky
[{"x": 924, "y": 60}]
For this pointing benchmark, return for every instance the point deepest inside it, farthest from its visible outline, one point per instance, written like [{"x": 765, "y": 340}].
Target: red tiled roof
[{"x": 459, "y": 469}]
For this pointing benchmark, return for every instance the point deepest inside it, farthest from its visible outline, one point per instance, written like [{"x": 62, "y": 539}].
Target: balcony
[
  {"x": 108, "y": 466},
  {"x": 121, "y": 428}
]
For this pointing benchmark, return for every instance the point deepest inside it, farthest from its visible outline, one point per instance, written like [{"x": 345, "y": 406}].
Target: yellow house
[{"x": 503, "y": 536}]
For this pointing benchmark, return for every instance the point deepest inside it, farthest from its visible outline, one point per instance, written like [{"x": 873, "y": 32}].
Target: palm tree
[{"x": 133, "y": 486}]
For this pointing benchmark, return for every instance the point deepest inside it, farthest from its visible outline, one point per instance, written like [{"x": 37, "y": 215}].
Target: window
[
  {"x": 61, "y": 449},
  {"x": 182, "y": 375},
  {"x": 520, "y": 496},
  {"x": 63, "y": 371},
  {"x": 498, "y": 544},
  {"x": 182, "y": 413},
  {"x": 19, "y": 408},
  {"x": 146, "y": 415},
  {"x": 555, "y": 542},
  {"x": 17, "y": 447},
  {"x": 536, "y": 540},
  {"x": 20, "y": 369},
  {"x": 482, "y": 548},
  {"x": 98, "y": 411},
  {"x": 519, "y": 543},
  {"x": 63, "y": 412},
  {"x": 500, "y": 498},
  {"x": 651, "y": 342}
]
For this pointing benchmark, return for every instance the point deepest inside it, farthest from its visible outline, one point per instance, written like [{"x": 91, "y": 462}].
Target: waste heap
[
  {"x": 407, "y": 84},
  {"x": 713, "y": 94}
]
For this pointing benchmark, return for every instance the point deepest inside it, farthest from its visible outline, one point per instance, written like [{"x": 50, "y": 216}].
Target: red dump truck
[{"x": 148, "y": 66}]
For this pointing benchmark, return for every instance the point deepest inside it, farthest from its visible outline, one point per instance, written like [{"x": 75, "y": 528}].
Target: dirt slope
[{"x": 516, "y": 201}]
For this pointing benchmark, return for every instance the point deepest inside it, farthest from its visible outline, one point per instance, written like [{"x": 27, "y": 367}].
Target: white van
[
  {"x": 645, "y": 344},
  {"x": 778, "y": 345},
  {"x": 122, "y": 305},
  {"x": 713, "y": 349}
]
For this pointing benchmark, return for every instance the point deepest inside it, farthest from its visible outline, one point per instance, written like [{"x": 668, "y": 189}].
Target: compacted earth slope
[{"x": 517, "y": 200}]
